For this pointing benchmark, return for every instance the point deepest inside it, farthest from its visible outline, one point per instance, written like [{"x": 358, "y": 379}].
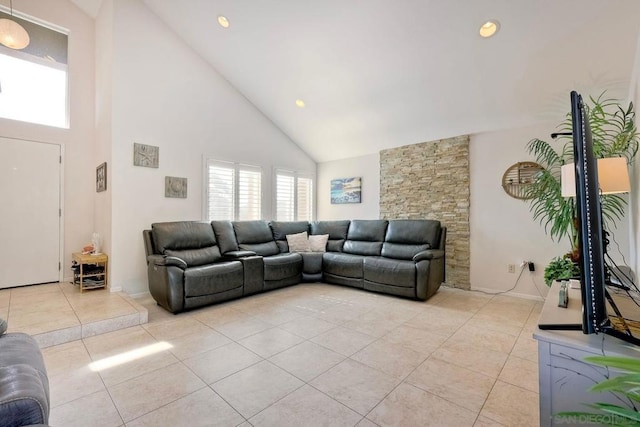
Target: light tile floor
[
  {"x": 308, "y": 355},
  {"x": 57, "y": 313}
]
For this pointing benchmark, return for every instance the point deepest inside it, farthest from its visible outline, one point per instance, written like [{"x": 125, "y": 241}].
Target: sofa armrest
[
  {"x": 238, "y": 254},
  {"x": 428, "y": 254},
  {"x": 23, "y": 396},
  {"x": 163, "y": 260}
]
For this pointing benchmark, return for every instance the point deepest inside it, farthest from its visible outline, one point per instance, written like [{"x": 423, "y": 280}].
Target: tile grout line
[{"x": 308, "y": 340}]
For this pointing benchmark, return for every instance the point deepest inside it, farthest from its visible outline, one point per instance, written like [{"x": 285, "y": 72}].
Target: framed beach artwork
[{"x": 346, "y": 190}]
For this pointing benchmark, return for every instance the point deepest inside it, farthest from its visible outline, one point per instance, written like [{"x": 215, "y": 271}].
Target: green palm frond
[
  {"x": 626, "y": 386},
  {"x": 614, "y": 134}
]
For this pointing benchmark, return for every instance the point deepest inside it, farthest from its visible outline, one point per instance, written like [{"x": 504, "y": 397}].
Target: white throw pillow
[
  {"x": 318, "y": 242},
  {"x": 298, "y": 242}
]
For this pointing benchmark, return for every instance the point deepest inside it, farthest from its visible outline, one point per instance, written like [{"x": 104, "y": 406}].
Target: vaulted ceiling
[{"x": 377, "y": 74}]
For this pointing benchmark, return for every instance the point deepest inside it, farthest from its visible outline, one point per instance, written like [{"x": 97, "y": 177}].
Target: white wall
[
  {"x": 163, "y": 94},
  {"x": 367, "y": 167},
  {"x": 103, "y": 118},
  {"x": 79, "y": 166},
  {"x": 502, "y": 229}
]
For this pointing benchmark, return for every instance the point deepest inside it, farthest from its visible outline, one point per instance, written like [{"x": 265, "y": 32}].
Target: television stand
[
  {"x": 618, "y": 285},
  {"x": 562, "y": 374}
]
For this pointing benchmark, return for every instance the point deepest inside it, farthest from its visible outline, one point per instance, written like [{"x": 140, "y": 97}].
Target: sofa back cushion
[
  {"x": 337, "y": 231},
  {"x": 225, "y": 236},
  {"x": 298, "y": 242},
  {"x": 365, "y": 237},
  {"x": 192, "y": 241},
  {"x": 255, "y": 236},
  {"x": 406, "y": 237},
  {"x": 281, "y": 229}
]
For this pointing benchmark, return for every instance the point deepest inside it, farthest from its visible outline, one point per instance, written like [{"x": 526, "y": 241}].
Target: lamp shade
[
  {"x": 613, "y": 177},
  {"x": 568, "y": 180},
  {"x": 13, "y": 35}
]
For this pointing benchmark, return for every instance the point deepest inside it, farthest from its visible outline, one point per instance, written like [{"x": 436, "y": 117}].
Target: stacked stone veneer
[{"x": 431, "y": 180}]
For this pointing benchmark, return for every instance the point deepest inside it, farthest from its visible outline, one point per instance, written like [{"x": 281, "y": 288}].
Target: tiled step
[{"x": 57, "y": 313}]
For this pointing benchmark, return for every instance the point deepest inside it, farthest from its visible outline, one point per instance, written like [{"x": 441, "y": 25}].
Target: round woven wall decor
[{"x": 518, "y": 177}]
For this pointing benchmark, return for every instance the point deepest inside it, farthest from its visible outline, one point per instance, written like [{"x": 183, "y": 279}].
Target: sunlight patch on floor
[{"x": 129, "y": 356}]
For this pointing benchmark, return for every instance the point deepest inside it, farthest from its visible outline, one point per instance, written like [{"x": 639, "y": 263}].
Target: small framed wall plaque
[
  {"x": 175, "y": 187},
  {"x": 101, "y": 178},
  {"x": 147, "y": 156}
]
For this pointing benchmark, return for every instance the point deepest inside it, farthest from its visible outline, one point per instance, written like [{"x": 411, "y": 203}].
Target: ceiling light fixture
[
  {"x": 12, "y": 34},
  {"x": 223, "y": 21},
  {"x": 489, "y": 28},
  {"x": 300, "y": 103}
]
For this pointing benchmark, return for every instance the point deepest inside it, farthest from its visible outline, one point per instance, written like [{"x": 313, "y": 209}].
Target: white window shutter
[
  {"x": 234, "y": 191},
  {"x": 294, "y": 196},
  {"x": 249, "y": 193},
  {"x": 221, "y": 190},
  {"x": 285, "y": 196},
  {"x": 305, "y": 199}
]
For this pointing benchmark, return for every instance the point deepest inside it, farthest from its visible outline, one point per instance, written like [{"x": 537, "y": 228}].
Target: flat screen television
[{"x": 599, "y": 310}]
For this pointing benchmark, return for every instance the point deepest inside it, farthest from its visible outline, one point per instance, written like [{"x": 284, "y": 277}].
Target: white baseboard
[
  {"x": 139, "y": 294},
  {"x": 115, "y": 289},
  {"x": 510, "y": 293}
]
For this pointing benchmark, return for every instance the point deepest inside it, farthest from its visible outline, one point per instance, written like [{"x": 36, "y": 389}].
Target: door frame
[{"x": 60, "y": 201}]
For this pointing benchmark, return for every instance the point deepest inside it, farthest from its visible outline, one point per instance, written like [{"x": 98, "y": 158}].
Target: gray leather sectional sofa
[
  {"x": 191, "y": 264},
  {"x": 24, "y": 386}
]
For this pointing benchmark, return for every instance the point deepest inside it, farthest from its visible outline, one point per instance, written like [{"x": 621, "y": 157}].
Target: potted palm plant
[{"x": 614, "y": 135}]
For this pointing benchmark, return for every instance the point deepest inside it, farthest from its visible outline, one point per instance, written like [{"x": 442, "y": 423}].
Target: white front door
[{"x": 29, "y": 212}]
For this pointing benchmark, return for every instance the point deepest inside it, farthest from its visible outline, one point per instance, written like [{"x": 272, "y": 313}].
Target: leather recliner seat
[
  {"x": 280, "y": 268},
  {"x": 408, "y": 264},
  {"x": 188, "y": 269},
  {"x": 363, "y": 239}
]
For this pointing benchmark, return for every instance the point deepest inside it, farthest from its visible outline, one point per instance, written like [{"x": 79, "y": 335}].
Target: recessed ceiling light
[
  {"x": 223, "y": 21},
  {"x": 489, "y": 28},
  {"x": 300, "y": 103}
]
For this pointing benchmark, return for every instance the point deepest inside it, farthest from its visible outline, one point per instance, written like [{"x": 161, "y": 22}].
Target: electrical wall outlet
[{"x": 511, "y": 268}]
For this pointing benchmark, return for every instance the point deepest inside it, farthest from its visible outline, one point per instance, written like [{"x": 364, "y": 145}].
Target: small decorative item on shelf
[{"x": 95, "y": 242}]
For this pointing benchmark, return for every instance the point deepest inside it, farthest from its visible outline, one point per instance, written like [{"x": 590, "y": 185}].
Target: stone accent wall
[{"x": 431, "y": 180}]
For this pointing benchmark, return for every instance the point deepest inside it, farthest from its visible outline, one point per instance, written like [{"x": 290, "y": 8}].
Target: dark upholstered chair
[{"x": 186, "y": 268}]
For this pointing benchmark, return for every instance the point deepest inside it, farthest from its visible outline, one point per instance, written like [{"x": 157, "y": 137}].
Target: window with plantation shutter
[
  {"x": 234, "y": 191},
  {"x": 249, "y": 193},
  {"x": 294, "y": 196},
  {"x": 285, "y": 197},
  {"x": 304, "y": 195}
]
